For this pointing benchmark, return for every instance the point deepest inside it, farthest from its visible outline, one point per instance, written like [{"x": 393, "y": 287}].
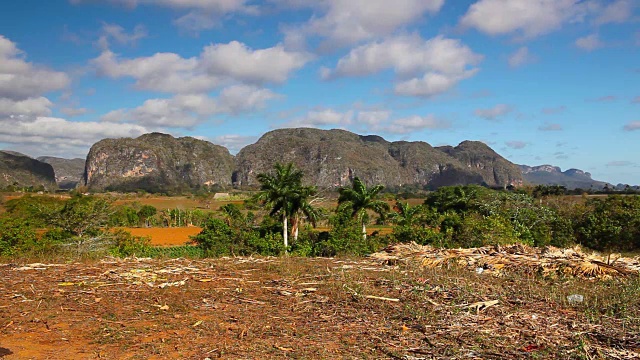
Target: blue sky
[{"x": 541, "y": 81}]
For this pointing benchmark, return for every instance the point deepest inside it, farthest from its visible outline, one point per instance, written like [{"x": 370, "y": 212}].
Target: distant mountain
[
  {"x": 157, "y": 163},
  {"x": 24, "y": 171},
  {"x": 68, "y": 171},
  {"x": 331, "y": 158},
  {"x": 553, "y": 175}
]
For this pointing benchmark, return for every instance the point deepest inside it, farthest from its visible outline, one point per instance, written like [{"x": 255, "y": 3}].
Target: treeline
[{"x": 283, "y": 215}]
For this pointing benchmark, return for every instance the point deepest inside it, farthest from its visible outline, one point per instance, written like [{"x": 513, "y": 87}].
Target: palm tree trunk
[
  {"x": 364, "y": 231},
  {"x": 285, "y": 232},
  {"x": 295, "y": 225}
]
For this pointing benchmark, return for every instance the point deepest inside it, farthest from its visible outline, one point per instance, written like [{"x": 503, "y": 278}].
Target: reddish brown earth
[{"x": 262, "y": 308}]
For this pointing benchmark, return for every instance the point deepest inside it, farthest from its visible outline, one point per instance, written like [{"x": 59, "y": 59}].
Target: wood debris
[{"x": 497, "y": 260}]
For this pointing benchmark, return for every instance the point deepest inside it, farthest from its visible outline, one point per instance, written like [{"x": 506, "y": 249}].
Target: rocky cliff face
[
  {"x": 23, "y": 171},
  {"x": 156, "y": 162},
  {"x": 331, "y": 158},
  {"x": 68, "y": 171},
  {"x": 553, "y": 175}
]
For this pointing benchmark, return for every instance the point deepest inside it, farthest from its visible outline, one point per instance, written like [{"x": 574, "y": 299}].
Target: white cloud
[
  {"x": 238, "y": 61},
  {"x": 516, "y": 144},
  {"x": 164, "y": 72},
  {"x": 346, "y": 22},
  {"x": 520, "y": 57},
  {"x": 218, "y": 65},
  {"x": 374, "y": 120},
  {"x": 324, "y": 117},
  {"x": 202, "y": 14},
  {"x": 632, "y": 126},
  {"x": 242, "y": 98},
  {"x": 188, "y": 110},
  {"x": 528, "y": 18},
  {"x": 618, "y": 11},
  {"x": 427, "y": 67},
  {"x": 234, "y": 142},
  {"x": 118, "y": 34},
  {"x": 372, "y": 117},
  {"x": 222, "y": 6},
  {"x": 416, "y": 123},
  {"x": 195, "y": 21},
  {"x": 59, "y": 137},
  {"x": 31, "y": 106},
  {"x": 589, "y": 42},
  {"x": 493, "y": 113},
  {"x": 21, "y": 80}
]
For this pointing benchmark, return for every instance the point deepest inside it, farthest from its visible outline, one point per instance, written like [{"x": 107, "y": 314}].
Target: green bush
[
  {"x": 16, "y": 236},
  {"x": 612, "y": 224},
  {"x": 125, "y": 244}
]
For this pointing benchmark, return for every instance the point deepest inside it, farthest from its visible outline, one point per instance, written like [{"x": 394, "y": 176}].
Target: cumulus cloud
[
  {"x": 31, "y": 106},
  {"x": 589, "y": 42},
  {"x": 618, "y": 11},
  {"x": 416, "y": 123},
  {"x": 217, "y": 65},
  {"x": 164, "y": 72},
  {"x": 188, "y": 110},
  {"x": 520, "y": 57},
  {"x": 347, "y": 22},
  {"x": 201, "y": 15},
  {"x": 21, "y": 80},
  {"x": 516, "y": 144},
  {"x": 323, "y": 117},
  {"x": 493, "y": 113},
  {"x": 59, "y": 137},
  {"x": 222, "y": 6},
  {"x": 527, "y": 18},
  {"x": 234, "y": 142},
  {"x": 550, "y": 127},
  {"x": 424, "y": 67},
  {"x": 377, "y": 120},
  {"x": 632, "y": 126},
  {"x": 238, "y": 61}
]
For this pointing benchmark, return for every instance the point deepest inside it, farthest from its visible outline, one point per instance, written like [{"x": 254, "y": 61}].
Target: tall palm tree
[
  {"x": 286, "y": 195},
  {"x": 300, "y": 205},
  {"x": 360, "y": 199}
]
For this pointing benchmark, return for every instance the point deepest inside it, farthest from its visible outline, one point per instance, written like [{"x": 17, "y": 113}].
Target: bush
[
  {"x": 16, "y": 236},
  {"x": 612, "y": 224},
  {"x": 125, "y": 244}
]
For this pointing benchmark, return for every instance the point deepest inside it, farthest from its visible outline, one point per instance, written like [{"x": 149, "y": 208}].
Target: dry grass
[{"x": 262, "y": 308}]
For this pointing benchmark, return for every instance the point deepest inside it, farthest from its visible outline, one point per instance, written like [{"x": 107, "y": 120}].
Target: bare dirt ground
[
  {"x": 175, "y": 236},
  {"x": 261, "y": 308}
]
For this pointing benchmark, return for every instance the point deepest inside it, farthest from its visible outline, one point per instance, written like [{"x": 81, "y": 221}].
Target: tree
[
  {"x": 287, "y": 197},
  {"x": 360, "y": 200},
  {"x": 407, "y": 215}
]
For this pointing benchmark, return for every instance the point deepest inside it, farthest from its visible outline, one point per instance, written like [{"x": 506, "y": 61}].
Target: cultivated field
[{"x": 260, "y": 308}]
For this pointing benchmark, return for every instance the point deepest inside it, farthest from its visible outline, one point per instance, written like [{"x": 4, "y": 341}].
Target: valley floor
[{"x": 288, "y": 307}]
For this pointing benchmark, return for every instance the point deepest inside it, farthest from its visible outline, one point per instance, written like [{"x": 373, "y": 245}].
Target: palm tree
[
  {"x": 300, "y": 205},
  {"x": 360, "y": 199},
  {"x": 286, "y": 195},
  {"x": 407, "y": 215}
]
